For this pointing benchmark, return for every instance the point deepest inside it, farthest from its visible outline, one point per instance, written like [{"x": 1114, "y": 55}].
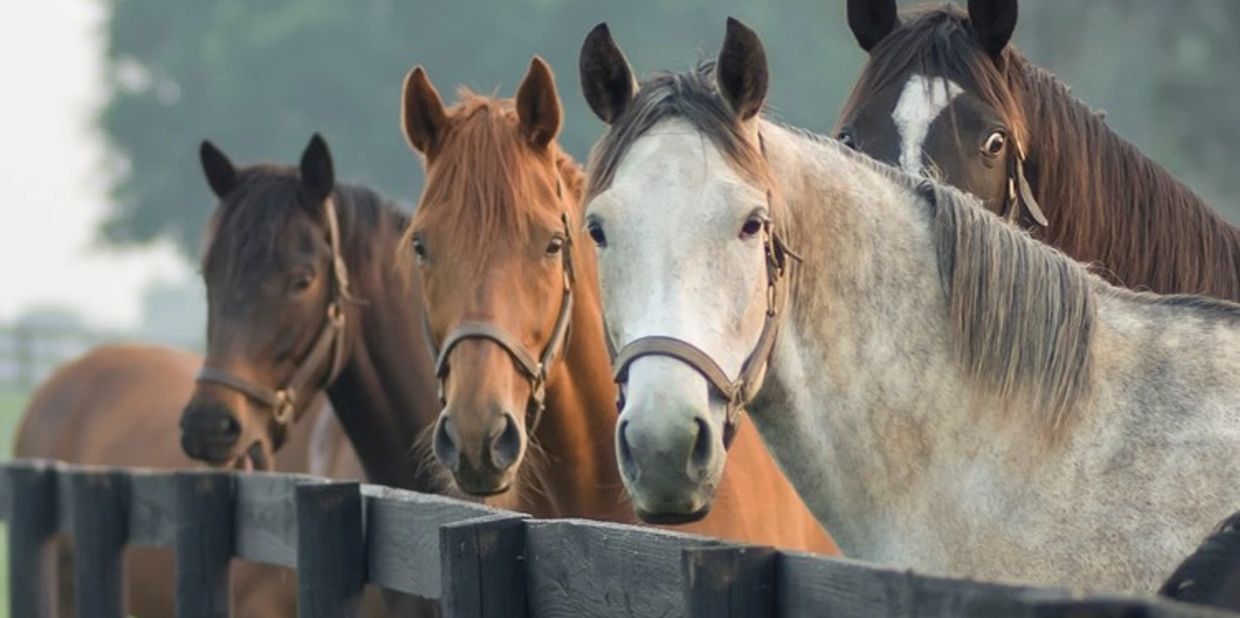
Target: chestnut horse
[
  {"x": 943, "y": 93},
  {"x": 95, "y": 409},
  {"x": 513, "y": 308},
  {"x": 302, "y": 299}
]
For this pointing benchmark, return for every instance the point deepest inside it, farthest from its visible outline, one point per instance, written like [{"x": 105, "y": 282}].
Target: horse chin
[
  {"x": 256, "y": 458},
  {"x": 672, "y": 519}
]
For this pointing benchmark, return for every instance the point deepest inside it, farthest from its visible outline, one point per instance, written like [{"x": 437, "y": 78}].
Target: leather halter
[
  {"x": 535, "y": 369},
  {"x": 1019, "y": 194},
  {"x": 328, "y": 345},
  {"x": 736, "y": 393}
]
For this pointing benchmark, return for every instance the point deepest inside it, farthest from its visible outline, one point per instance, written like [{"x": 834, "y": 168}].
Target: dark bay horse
[
  {"x": 514, "y": 310},
  {"x": 945, "y": 94},
  {"x": 118, "y": 405},
  {"x": 302, "y": 299}
]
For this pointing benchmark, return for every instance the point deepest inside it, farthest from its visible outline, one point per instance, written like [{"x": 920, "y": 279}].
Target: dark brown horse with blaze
[
  {"x": 302, "y": 299},
  {"x": 514, "y": 310},
  {"x": 118, "y": 405},
  {"x": 945, "y": 94}
]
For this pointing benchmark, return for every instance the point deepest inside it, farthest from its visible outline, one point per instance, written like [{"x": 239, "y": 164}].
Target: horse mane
[
  {"x": 487, "y": 173},
  {"x": 250, "y": 226},
  {"x": 689, "y": 96},
  {"x": 1106, "y": 201}
]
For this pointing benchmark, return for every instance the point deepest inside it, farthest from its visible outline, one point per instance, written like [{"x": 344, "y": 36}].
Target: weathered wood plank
[
  {"x": 32, "y": 525},
  {"x": 152, "y": 509},
  {"x": 402, "y": 530},
  {"x": 331, "y": 550},
  {"x": 266, "y": 517},
  {"x": 1115, "y": 607},
  {"x": 729, "y": 582},
  {"x": 204, "y": 543},
  {"x": 812, "y": 585},
  {"x": 588, "y": 569},
  {"x": 483, "y": 566},
  {"x": 100, "y": 531}
]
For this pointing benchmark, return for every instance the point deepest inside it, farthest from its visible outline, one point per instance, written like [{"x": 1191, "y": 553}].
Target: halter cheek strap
[
  {"x": 535, "y": 369},
  {"x": 1020, "y": 194},
  {"x": 735, "y": 392},
  {"x": 328, "y": 346}
]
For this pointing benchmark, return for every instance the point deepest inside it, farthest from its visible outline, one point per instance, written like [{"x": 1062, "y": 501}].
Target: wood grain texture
[
  {"x": 100, "y": 531},
  {"x": 204, "y": 543},
  {"x": 331, "y": 550},
  {"x": 729, "y": 582},
  {"x": 32, "y": 524},
  {"x": 483, "y": 566},
  {"x": 402, "y": 529},
  {"x": 266, "y": 517},
  {"x": 152, "y": 509},
  {"x": 592, "y": 569}
]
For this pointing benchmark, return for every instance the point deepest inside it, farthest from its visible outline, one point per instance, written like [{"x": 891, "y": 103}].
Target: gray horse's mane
[{"x": 1023, "y": 313}]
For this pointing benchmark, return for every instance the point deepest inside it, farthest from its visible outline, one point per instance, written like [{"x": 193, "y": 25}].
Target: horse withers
[
  {"x": 513, "y": 310},
  {"x": 946, "y": 393}
]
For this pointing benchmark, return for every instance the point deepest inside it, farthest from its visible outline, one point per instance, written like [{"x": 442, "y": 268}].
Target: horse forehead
[
  {"x": 671, "y": 169},
  {"x": 921, "y": 102}
]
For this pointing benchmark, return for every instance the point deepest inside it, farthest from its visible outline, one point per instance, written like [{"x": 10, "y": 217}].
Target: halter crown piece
[
  {"x": 328, "y": 345},
  {"x": 534, "y": 368},
  {"x": 736, "y": 393}
]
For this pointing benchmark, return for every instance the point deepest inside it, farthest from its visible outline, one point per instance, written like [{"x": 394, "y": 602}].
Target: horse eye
[
  {"x": 596, "y": 234},
  {"x": 846, "y": 138},
  {"x": 555, "y": 246},
  {"x": 419, "y": 249},
  {"x": 995, "y": 144},
  {"x": 752, "y": 226},
  {"x": 302, "y": 281}
]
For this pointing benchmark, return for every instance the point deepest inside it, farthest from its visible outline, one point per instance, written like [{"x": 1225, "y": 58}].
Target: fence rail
[
  {"x": 28, "y": 354},
  {"x": 477, "y": 561}
]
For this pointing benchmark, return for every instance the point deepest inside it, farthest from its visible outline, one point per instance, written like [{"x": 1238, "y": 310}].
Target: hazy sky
[{"x": 52, "y": 172}]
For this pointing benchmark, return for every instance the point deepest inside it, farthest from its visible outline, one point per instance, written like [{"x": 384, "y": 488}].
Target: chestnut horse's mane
[
  {"x": 499, "y": 186},
  {"x": 1107, "y": 203}
]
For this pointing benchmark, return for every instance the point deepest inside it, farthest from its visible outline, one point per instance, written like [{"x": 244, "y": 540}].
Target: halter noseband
[
  {"x": 327, "y": 347},
  {"x": 736, "y": 393},
  {"x": 534, "y": 369}
]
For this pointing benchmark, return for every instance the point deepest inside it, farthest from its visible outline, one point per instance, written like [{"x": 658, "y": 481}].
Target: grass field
[{"x": 10, "y": 410}]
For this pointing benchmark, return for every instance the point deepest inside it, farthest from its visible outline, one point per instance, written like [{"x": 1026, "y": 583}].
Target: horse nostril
[
  {"x": 445, "y": 443},
  {"x": 227, "y": 425},
  {"x": 506, "y": 447},
  {"x": 624, "y": 452},
  {"x": 700, "y": 458}
]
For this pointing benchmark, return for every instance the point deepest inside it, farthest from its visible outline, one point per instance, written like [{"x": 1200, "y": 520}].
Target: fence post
[
  {"x": 204, "y": 543},
  {"x": 331, "y": 550},
  {"x": 32, "y": 550},
  {"x": 100, "y": 529},
  {"x": 482, "y": 568},
  {"x": 729, "y": 581}
]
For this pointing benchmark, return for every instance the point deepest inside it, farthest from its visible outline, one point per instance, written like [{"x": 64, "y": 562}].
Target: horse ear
[
  {"x": 317, "y": 174},
  {"x": 871, "y": 21},
  {"x": 220, "y": 173},
  {"x": 993, "y": 23},
  {"x": 423, "y": 117},
  {"x": 606, "y": 79},
  {"x": 538, "y": 105},
  {"x": 741, "y": 70}
]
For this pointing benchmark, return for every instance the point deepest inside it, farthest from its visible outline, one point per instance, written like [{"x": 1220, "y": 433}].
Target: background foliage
[{"x": 259, "y": 78}]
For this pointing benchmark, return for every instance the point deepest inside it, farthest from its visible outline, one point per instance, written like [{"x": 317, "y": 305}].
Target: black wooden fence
[{"x": 479, "y": 562}]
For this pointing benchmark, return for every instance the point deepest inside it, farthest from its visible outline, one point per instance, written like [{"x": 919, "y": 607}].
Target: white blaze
[{"x": 921, "y": 102}]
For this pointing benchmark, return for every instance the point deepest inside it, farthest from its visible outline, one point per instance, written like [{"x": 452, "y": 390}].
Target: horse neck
[
  {"x": 1111, "y": 205},
  {"x": 385, "y": 395},
  {"x": 576, "y": 475},
  {"x": 841, "y": 385}
]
